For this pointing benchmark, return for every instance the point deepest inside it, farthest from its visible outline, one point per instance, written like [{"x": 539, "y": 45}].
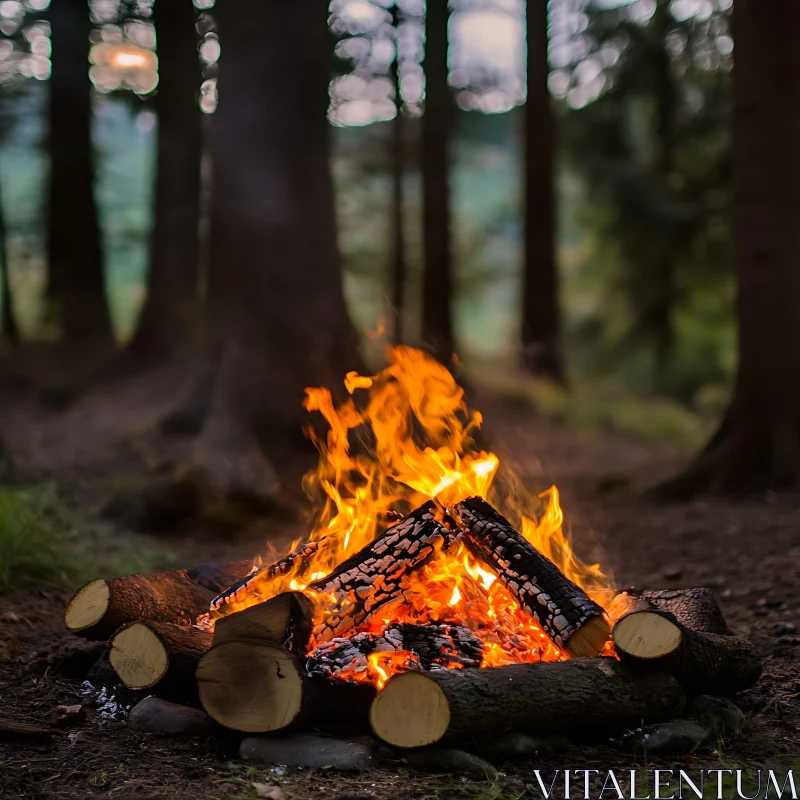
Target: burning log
[
  {"x": 372, "y": 577},
  {"x": 257, "y": 581},
  {"x": 103, "y": 606},
  {"x": 575, "y": 623},
  {"x": 257, "y": 687},
  {"x": 285, "y": 619},
  {"x": 151, "y": 654},
  {"x": 589, "y": 694},
  {"x": 703, "y": 662}
]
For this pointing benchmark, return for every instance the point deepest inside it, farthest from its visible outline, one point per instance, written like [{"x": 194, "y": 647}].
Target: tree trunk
[
  {"x": 169, "y": 318},
  {"x": 758, "y": 444},
  {"x": 10, "y": 331},
  {"x": 541, "y": 347},
  {"x": 397, "y": 155},
  {"x": 437, "y": 283},
  {"x": 277, "y": 313},
  {"x": 76, "y": 280}
]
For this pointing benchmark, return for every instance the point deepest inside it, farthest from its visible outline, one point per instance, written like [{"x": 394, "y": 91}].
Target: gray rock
[
  {"x": 784, "y": 628},
  {"x": 311, "y": 752},
  {"x": 674, "y": 738},
  {"x": 511, "y": 746},
  {"x": 718, "y": 714},
  {"x": 449, "y": 759},
  {"x": 154, "y": 715}
]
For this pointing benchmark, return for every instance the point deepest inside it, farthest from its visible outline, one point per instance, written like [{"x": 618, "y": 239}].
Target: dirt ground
[{"x": 748, "y": 552}]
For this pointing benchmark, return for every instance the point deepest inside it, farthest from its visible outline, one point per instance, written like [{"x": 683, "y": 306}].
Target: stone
[
  {"x": 784, "y": 628},
  {"x": 309, "y": 751},
  {"x": 154, "y": 715},
  {"x": 452, "y": 760},
  {"x": 673, "y": 738},
  {"x": 718, "y": 714},
  {"x": 514, "y": 746}
]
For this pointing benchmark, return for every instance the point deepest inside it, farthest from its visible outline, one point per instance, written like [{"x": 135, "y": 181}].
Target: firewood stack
[{"x": 302, "y": 659}]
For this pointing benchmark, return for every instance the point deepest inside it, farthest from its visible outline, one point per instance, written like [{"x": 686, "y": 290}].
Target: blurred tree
[
  {"x": 169, "y": 318},
  {"x": 10, "y": 330},
  {"x": 437, "y": 280},
  {"x": 649, "y": 132},
  {"x": 76, "y": 281},
  {"x": 541, "y": 349},
  {"x": 277, "y": 320},
  {"x": 758, "y": 444},
  {"x": 399, "y": 266}
]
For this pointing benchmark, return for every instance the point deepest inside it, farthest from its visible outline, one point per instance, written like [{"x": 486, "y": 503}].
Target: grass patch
[{"x": 43, "y": 544}]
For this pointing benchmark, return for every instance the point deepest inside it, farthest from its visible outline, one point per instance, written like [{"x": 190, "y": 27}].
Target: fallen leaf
[
  {"x": 68, "y": 715},
  {"x": 271, "y": 792},
  {"x": 12, "y": 649},
  {"x": 10, "y": 616}
]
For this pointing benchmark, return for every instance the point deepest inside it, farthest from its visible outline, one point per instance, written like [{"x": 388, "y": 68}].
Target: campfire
[{"x": 433, "y": 598}]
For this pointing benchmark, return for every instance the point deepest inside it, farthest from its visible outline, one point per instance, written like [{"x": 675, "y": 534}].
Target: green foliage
[{"x": 42, "y": 544}]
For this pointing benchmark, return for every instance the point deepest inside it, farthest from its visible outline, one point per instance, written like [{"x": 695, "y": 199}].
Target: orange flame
[{"x": 405, "y": 436}]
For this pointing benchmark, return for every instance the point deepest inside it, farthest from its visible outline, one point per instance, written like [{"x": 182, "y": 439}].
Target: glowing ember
[{"x": 404, "y": 437}]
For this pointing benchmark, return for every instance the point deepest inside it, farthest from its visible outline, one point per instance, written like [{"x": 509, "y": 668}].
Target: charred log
[
  {"x": 286, "y": 620},
  {"x": 587, "y": 695},
  {"x": 101, "y": 607},
  {"x": 372, "y": 577},
  {"x": 703, "y": 662},
  {"x": 575, "y": 623},
  {"x": 258, "y": 583},
  {"x": 158, "y": 655},
  {"x": 257, "y": 687}
]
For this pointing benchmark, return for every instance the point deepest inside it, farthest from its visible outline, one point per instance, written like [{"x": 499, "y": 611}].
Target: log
[
  {"x": 697, "y": 609},
  {"x": 258, "y": 584},
  {"x": 286, "y": 619},
  {"x": 257, "y": 687},
  {"x": 704, "y": 663},
  {"x": 597, "y": 694},
  {"x": 148, "y": 655},
  {"x": 372, "y": 577},
  {"x": 180, "y": 596},
  {"x": 576, "y": 624}
]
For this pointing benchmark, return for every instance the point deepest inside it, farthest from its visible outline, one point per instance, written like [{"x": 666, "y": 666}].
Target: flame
[{"x": 402, "y": 437}]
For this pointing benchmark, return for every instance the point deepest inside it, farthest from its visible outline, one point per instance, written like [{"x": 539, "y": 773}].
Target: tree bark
[
  {"x": 541, "y": 317},
  {"x": 397, "y": 157},
  {"x": 757, "y": 446},
  {"x": 277, "y": 316},
  {"x": 169, "y": 320},
  {"x": 10, "y": 330},
  {"x": 582, "y": 696},
  {"x": 437, "y": 282},
  {"x": 76, "y": 280},
  {"x": 101, "y": 607}
]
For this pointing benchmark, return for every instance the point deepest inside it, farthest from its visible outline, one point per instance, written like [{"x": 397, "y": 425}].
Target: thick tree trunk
[
  {"x": 277, "y": 315},
  {"x": 582, "y": 696},
  {"x": 541, "y": 345},
  {"x": 758, "y": 445},
  {"x": 76, "y": 281},
  {"x": 169, "y": 319},
  {"x": 10, "y": 330},
  {"x": 397, "y": 157},
  {"x": 180, "y": 596},
  {"x": 437, "y": 281}
]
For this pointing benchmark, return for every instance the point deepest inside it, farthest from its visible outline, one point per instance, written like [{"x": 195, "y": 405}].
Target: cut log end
[
  {"x": 138, "y": 656},
  {"x": 88, "y": 607},
  {"x": 411, "y": 711},
  {"x": 647, "y": 635},
  {"x": 250, "y": 687},
  {"x": 589, "y": 639}
]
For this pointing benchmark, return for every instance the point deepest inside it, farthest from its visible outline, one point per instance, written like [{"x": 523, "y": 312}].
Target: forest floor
[{"x": 748, "y": 552}]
